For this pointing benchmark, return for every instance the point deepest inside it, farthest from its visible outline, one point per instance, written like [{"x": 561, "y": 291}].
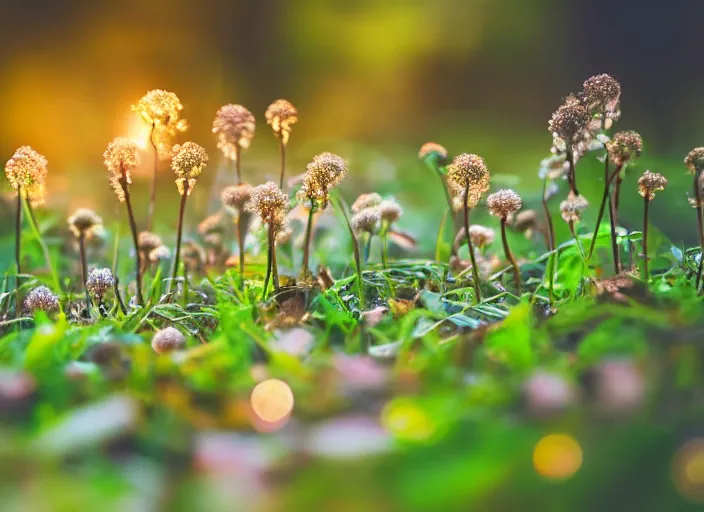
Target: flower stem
[
  {"x": 645, "y": 238},
  {"x": 700, "y": 226},
  {"x": 605, "y": 197},
  {"x": 614, "y": 237},
  {"x": 238, "y": 155},
  {"x": 269, "y": 261},
  {"x": 384, "y": 235},
  {"x": 357, "y": 255},
  {"x": 118, "y": 296},
  {"x": 367, "y": 248},
  {"x": 18, "y": 248},
  {"x": 133, "y": 228},
  {"x": 306, "y": 243},
  {"x": 152, "y": 197},
  {"x": 282, "y": 152},
  {"x": 510, "y": 257},
  {"x": 475, "y": 270},
  {"x": 548, "y": 217},
  {"x": 241, "y": 233},
  {"x": 572, "y": 176},
  {"x": 274, "y": 265},
  {"x": 179, "y": 233},
  {"x": 84, "y": 268},
  {"x": 42, "y": 244}
]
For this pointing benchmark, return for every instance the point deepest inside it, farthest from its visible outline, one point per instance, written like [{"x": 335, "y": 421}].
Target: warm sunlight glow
[
  {"x": 688, "y": 470},
  {"x": 272, "y": 400},
  {"x": 557, "y": 456},
  {"x": 138, "y": 132}
]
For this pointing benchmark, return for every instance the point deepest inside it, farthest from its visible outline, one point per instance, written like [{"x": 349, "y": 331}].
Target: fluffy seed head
[
  {"x": 269, "y": 202},
  {"x": 324, "y": 172},
  {"x": 390, "y": 210},
  {"x": 84, "y": 221},
  {"x": 467, "y": 170},
  {"x": 651, "y": 182},
  {"x": 188, "y": 162},
  {"x": 168, "y": 340},
  {"x": 572, "y": 207},
  {"x": 366, "y": 221},
  {"x": 569, "y": 121},
  {"x": 162, "y": 110},
  {"x": 283, "y": 230},
  {"x": 26, "y": 169},
  {"x": 281, "y": 115},
  {"x": 481, "y": 236},
  {"x": 366, "y": 201},
  {"x": 236, "y": 196},
  {"x": 41, "y": 298},
  {"x": 99, "y": 281},
  {"x": 161, "y": 253},
  {"x": 601, "y": 93},
  {"x": 36, "y": 194},
  {"x": 121, "y": 158},
  {"x": 624, "y": 146},
  {"x": 148, "y": 241},
  {"x": 503, "y": 203},
  {"x": 695, "y": 160},
  {"x": 431, "y": 148},
  {"x": 210, "y": 225},
  {"x": 234, "y": 128}
]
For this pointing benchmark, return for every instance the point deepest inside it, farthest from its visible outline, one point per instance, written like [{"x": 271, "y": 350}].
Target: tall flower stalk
[
  {"x": 503, "y": 204},
  {"x": 469, "y": 176},
  {"x": 269, "y": 202},
  {"x": 567, "y": 126},
  {"x": 324, "y": 172},
  {"x": 26, "y": 172},
  {"x": 188, "y": 163},
  {"x": 282, "y": 115},
  {"x": 233, "y": 127},
  {"x": 572, "y": 210},
  {"x": 234, "y": 199},
  {"x": 82, "y": 224},
  {"x": 648, "y": 184},
  {"x": 695, "y": 164},
  {"x": 121, "y": 158},
  {"x": 391, "y": 212},
  {"x": 161, "y": 110}
]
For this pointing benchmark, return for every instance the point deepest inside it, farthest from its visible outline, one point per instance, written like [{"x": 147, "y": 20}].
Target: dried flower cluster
[
  {"x": 569, "y": 121},
  {"x": 121, "y": 158},
  {"x": 430, "y": 148},
  {"x": 41, "y": 298},
  {"x": 188, "y": 162},
  {"x": 624, "y": 146},
  {"x": 148, "y": 241},
  {"x": 324, "y": 172},
  {"x": 503, "y": 203},
  {"x": 365, "y": 201},
  {"x": 99, "y": 281},
  {"x": 162, "y": 110},
  {"x": 573, "y": 207},
  {"x": 168, "y": 340},
  {"x": 281, "y": 115},
  {"x": 161, "y": 253},
  {"x": 366, "y": 221},
  {"x": 26, "y": 171},
  {"x": 468, "y": 172},
  {"x": 234, "y": 129},
  {"x": 601, "y": 94},
  {"x": 390, "y": 210},
  {"x": 695, "y": 160},
  {"x": 84, "y": 222},
  {"x": 269, "y": 202},
  {"x": 649, "y": 183},
  {"x": 235, "y": 197},
  {"x": 481, "y": 236}
]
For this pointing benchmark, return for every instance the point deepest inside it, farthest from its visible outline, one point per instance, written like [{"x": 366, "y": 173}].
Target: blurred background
[{"x": 372, "y": 80}]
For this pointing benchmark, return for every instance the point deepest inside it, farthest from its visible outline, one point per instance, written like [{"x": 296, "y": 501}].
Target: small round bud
[
  {"x": 569, "y": 120},
  {"x": 168, "y": 340},
  {"x": 148, "y": 241},
  {"x": 430, "y": 149},
  {"x": 390, "y": 210},
  {"x": 26, "y": 169},
  {"x": 41, "y": 298},
  {"x": 649, "y": 183},
  {"x": 573, "y": 207},
  {"x": 366, "y": 201},
  {"x": 99, "y": 281},
  {"x": 624, "y": 147},
  {"x": 503, "y": 203},
  {"x": 281, "y": 115},
  {"x": 121, "y": 158},
  {"x": 366, "y": 221},
  {"x": 468, "y": 171},
  {"x": 235, "y": 197},
  {"x": 324, "y": 172},
  {"x": 161, "y": 253},
  {"x": 695, "y": 160},
  {"x": 481, "y": 236},
  {"x": 234, "y": 128},
  {"x": 601, "y": 93},
  {"x": 188, "y": 163},
  {"x": 84, "y": 222},
  {"x": 269, "y": 202}
]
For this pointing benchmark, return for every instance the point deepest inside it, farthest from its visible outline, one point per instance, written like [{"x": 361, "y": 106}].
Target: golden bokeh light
[
  {"x": 688, "y": 470},
  {"x": 557, "y": 456},
  {"x": 408, "y": 421},
  {"x": 272, "y": 400}
]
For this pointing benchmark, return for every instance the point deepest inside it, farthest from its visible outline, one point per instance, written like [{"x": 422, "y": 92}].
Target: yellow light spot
[
  {"x": 272, "y": 400},
  {"x": 688, "y": 470},
  {"x": 138, "y": 132},
  {"x": 408, "y": 421},
  {"x": 557, "y": 456}
]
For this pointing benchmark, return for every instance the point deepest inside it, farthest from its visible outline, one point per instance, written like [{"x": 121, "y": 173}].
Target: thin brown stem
[
  {"x": 355, "y": 249},
  {"x": 274, "y": 264},
  {"x": 510, "y": 257},
  {"x": 614, "y": 238},
  {"x": 700, "y": 226},
  {"x": 179, "y": 233},
  {"x": 282, "y": 152},
  {"x": 133, "y": 229},
  {"x": 269, "y": 261},
  {"x": 572, "y": 176},
  {"x": 470, "y": 246},
  {"x": 118, "y": 296},
  {"x": 548, "y": 217},
  {"x": 306, "y": 243},
  {"x": 84, "y": 267},
  {"x": 241, "y": 234},
  {"x": 152, "y": 196},
  {"x": 617, "y": 198},
  {"x": 646, "y": 205},
  {"x": 238, "y": 157},
  {"x": 18, "y": 249},
  {"x": 602, "y": 206}
]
